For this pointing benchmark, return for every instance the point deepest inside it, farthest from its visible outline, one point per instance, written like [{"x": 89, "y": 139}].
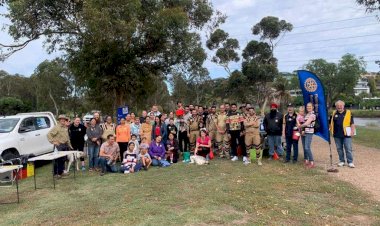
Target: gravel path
[{"x": 365, "y": 176}]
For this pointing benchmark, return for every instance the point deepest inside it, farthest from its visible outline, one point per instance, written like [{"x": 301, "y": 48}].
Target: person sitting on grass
[
  {"x": 172, "y": 149},
  {"x": 157, "y": 153},
  {"x": 130, "y": 163},
  {"x": 145, "y": 159},
  {"x": 109, "y": 153},
  {"x": 202, "y": 149}
]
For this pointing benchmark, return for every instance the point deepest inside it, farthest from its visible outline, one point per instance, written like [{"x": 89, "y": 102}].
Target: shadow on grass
[{"x": 222, "y": 193}]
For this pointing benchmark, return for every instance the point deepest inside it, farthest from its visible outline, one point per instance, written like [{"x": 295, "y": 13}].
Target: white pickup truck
[{"x": 25, "y": 134}]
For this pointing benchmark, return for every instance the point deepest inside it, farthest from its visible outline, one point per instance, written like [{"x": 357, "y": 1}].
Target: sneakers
[
  {"x": 340, "y": 164},
  {"x": 235, "y": 158},
  {"x": 126, "y": 171},
  {"x": 246, "y": 161},
  {"x": 259, "y": 163},
  {"x": 311, "y": 165},
  {"x": 351, "y": 165}
]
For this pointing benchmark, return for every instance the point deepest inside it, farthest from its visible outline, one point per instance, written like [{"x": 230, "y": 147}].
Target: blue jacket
[{"x": 163, "y": 131}]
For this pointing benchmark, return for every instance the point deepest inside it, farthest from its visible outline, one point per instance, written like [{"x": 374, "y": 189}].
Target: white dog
[{"x": 73, "y": 157}]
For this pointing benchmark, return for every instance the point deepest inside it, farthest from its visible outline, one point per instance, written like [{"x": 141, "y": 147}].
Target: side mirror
[{"x": 24, "y": 130}]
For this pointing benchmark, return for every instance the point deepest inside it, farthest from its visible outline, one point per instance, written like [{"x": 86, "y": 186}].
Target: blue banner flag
[{"x": 313, "y": 91}]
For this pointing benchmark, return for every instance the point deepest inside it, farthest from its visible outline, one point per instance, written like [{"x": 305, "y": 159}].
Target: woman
[
  {"x": 172, "y": 149},
  {"x": 146, "y": 130},
  {"x": 133, "y": 117},
  {"x": 128, "y": 119},
  {"x": 308, "y": 126},
  {"x": 94, "y": 134},
  {"x": 159, "y": 129},
  {"x": 202, "y": 149},
  {"x": 123, "y": 136},
  {"x": 108, "y": 128},
  {"x": 157, "y": 153}
]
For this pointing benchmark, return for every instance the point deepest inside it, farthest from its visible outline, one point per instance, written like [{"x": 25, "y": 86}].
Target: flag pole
[{"x": 332, "y": 169}]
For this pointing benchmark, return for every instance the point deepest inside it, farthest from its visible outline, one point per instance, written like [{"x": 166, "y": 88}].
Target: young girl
[
  {"x": 130, "y": 159},
  {"x": 136, "y": 142},
  {"x": 144, "y": 156},
  {"x": 172, "y": 149},
  {"x": 301, "y": 118}
]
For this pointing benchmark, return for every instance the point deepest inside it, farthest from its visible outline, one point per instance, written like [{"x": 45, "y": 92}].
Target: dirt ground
[{"x": 365, "y": 176}]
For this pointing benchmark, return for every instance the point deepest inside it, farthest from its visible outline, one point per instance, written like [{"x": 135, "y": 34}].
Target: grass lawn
[
  {"x": 368, "y": 136},
  {"x": 222, "y": 193}
]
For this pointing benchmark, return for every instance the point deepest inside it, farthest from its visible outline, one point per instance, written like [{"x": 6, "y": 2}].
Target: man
[
  {"x": 77, "y": 132},
  {"x": 171, "y": 116},
  {"x": 235, "y": 128},
  {"x": 273, "y": 127},
  {"x": 289, "y": 123},
  {"x": 252, "y": 134},
  {"x": 211, "y": 125},
  {"x": 222, "y": 139},
  {"x": 187, "y": 114},
  {"x": 193, "y": 128},
  {"x": 227, "y": 107},
  {"x": 109, "y": 153},
  {"x": 183, "y": 138},
  {"x": 144, "y": 114},
  {"x": 59, "y": 136},
  {"x": 342, "y": 128},
  {"x": 202, "y": 116},
  {"x": 155, "y": 110}
]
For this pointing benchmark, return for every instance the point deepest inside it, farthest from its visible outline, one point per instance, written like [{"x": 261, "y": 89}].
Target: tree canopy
[
  {"x": 118, "y": 48},
  {"x": 338, "y": 78}
]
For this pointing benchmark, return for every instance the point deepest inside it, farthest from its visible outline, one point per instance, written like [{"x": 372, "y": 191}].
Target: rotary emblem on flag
[{"x": 310, "y": 85}]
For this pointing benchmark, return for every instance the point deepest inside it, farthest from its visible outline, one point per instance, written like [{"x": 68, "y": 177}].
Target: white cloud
[{"x": 243, "y": 14}]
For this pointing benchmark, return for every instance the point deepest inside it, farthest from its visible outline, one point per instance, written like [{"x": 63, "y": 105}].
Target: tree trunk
[{"x": 55, "y": 104}]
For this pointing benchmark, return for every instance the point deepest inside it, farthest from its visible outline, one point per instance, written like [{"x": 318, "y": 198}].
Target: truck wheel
[{"x": 10, "y": 155}]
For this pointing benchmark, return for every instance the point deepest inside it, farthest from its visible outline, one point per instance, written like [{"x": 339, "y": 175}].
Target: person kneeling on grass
[
  {"x": 109, "y": 153},
  {"x": 202, "y": 149},
  {"x": 145, "y": 159},
  {"x": 157, "y": 153},
  {"x": 130, "y": 164}
]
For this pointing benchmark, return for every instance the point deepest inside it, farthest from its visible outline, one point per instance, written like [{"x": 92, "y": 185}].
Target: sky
[{"x": 322, "y": 29}]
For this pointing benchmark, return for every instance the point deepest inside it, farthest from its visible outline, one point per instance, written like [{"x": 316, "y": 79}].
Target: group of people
[{"x": 197, "y": 134}]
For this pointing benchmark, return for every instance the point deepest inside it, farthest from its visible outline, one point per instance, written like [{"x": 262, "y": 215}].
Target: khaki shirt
[
  {"x": 108, "y": 129},
  {"x": 59, "y": 134},
  {"x": 211, "y": 122},
  {"x": 193, "y": 123},
  {"x": 252, "y": 124},
  {"x": 221, "y": 119}
]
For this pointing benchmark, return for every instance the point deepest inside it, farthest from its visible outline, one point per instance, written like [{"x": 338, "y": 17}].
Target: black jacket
[{"x": 273, "y": 123}]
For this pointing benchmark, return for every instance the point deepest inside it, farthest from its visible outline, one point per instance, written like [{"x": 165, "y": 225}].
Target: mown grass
[
  {"x": 368, "y": 136},
  {"x": 366, "y": 113},
  {"x": 223, "y": 193}
]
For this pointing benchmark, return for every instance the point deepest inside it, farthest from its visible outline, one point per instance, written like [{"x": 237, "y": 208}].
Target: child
[
  {"x": 136, "y": 142},
  {"x": 130, "y": 159},
  {"x": 144, "y": 156},
  {"x": 301, "y": 118}
]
